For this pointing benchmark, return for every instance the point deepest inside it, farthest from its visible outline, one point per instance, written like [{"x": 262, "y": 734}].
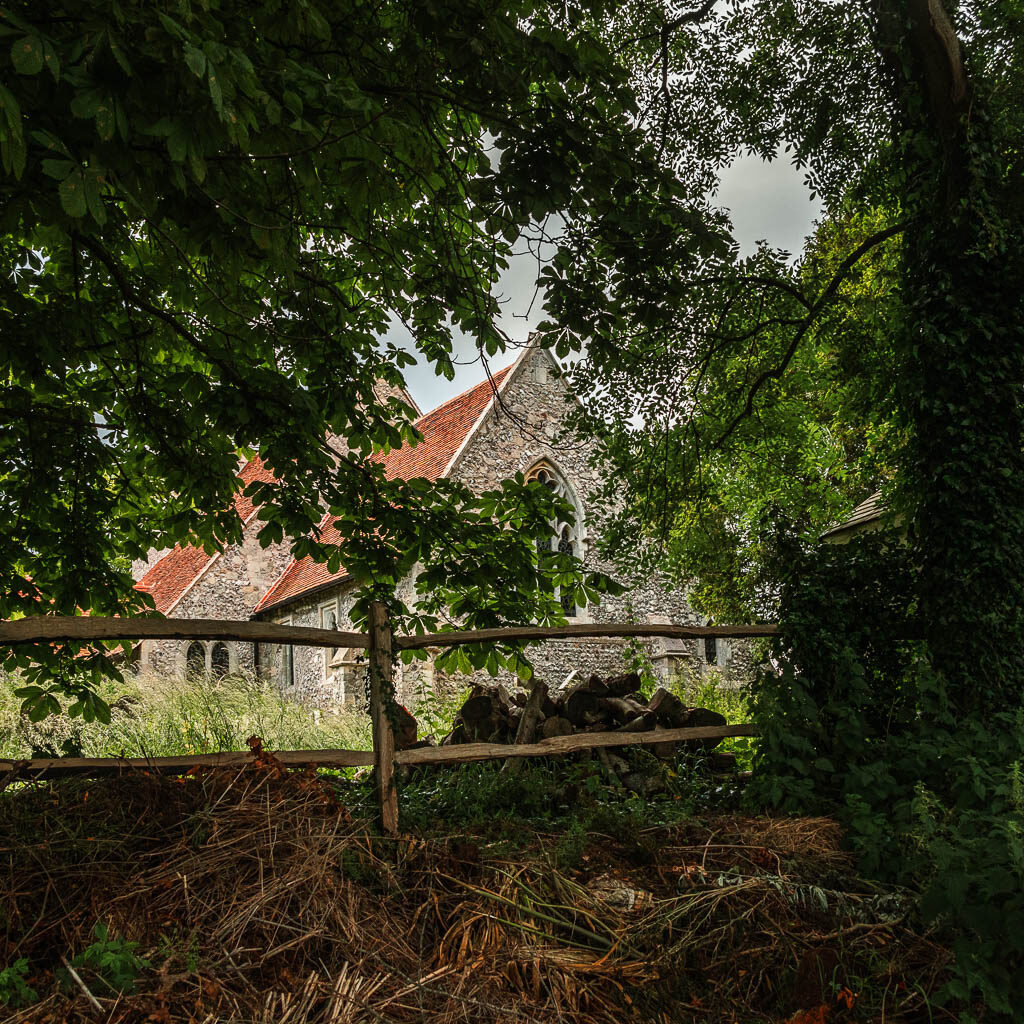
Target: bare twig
[{"x": 81, "y": 984}]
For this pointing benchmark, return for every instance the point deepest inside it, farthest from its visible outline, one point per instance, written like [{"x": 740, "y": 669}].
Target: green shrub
[{"x": 854, "y": 722}]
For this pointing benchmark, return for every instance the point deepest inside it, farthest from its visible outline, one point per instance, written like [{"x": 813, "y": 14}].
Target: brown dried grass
[{"x": 298, "y": 914}]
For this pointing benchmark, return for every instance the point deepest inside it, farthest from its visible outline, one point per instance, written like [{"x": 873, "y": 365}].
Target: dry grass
[{"x": 258, "y": 898}]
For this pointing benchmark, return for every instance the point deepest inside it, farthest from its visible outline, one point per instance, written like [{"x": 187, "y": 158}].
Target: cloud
[{"x": 766, "y": 201}]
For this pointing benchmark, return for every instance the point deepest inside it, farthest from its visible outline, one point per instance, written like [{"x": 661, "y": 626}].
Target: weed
[
  {"x": 177, "y": 947},
  {"x": 114, "y": 962},
  {"x": 14, "y": 989},
  {"x": 435, "y": 712},
  {"x": 568, "y": 851}
]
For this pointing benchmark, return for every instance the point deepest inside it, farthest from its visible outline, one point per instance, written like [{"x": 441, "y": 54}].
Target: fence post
[{"x": 381, "y": 687}]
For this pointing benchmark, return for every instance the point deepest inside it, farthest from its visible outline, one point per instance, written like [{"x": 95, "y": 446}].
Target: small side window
[
  {"x": 711, "y": 650},
  {"x": 195, "y": 659},
  {"x": 220, "y": 660}
]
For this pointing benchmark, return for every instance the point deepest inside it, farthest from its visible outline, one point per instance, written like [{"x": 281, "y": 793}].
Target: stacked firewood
[{"x": 493, "y": 714}]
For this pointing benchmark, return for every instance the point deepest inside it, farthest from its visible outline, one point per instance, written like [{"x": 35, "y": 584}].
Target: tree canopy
[
  {"x": 899, "y": 328},
  {"x": 213, "y": 213}
]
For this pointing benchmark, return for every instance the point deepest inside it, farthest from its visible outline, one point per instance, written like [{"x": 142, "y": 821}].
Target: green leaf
[
  {"x": 58, "y": 169},
  {"x": 27, "y": 55},
  {"x": 195, "y": 59},
  {"x": 215, "y": 92},
  {"x": 93, "y": 180},
  {"x": 15, "y": 152},
  {"x": 38, "y": 703},
  {"x": 106, "y": 122},
  {"x": 177, "y": 142},
  {"x": 72, "y": 195},
  {"x": 85, "y": 104},
  {"x": 51, "y": 60}
]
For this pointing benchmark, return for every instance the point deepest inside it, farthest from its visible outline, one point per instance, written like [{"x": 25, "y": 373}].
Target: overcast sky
[{"x": 767, "y": 202}]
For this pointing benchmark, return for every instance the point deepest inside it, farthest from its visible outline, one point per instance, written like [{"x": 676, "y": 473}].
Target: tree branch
[{"x": 823, "y": 300}]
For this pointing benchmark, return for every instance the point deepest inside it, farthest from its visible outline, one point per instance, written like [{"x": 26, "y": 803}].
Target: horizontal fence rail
[
  {"x": 462, "y": 753},
  {"x": 380, "y": 643},
  {"x": 46, "y": 628},
  {"x": 591, "y": 630},
  {"x": 42, "y": 628}
]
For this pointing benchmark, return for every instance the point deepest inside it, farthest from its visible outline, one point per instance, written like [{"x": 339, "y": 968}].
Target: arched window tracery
[
  {"x": 195, "y": 659},
  {"x": 563, "y": 538}
]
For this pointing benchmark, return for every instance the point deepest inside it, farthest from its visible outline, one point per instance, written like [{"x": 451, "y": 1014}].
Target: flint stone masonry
[
  {"x": 516, "y": 433},
  {"x": 228, "y": 589}
]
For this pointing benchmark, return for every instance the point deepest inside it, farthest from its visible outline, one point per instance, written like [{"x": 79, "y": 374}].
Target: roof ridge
[{"x": 443, "y": 430}]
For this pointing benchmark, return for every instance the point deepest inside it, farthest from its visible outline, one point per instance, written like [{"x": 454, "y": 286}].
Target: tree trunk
[{"x": 961, "y": 365}]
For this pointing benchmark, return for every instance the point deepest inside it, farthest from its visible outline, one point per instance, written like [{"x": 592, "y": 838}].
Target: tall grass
[
  {"x": 154, "y": 716},
  {"x": 712, "y": 690}
]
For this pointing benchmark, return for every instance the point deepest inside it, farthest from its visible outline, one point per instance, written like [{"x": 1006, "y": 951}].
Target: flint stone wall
[
  {"x": 229, "y": 589},
  {"x": 517, "y": 433}
]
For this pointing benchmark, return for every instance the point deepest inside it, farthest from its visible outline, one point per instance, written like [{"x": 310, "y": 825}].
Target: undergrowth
[
  {"x": 257, "y": 895},
  {"x": 575, "y": 795},
  {"x": 858, "y": 724}
]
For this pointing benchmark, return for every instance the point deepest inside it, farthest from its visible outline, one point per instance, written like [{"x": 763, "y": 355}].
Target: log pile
[{"x": 493, "y": 714}]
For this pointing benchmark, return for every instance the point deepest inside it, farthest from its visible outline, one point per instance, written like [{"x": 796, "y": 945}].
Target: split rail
[{"x": 382, "y": 645}]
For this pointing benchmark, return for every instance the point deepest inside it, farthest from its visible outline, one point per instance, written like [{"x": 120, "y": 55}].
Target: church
[{"x": 508, "y": 423}]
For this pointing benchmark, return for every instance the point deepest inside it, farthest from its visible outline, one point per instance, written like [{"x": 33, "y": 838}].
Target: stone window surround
[
  {"x": 207, "y": 646},
  {"x": 341, "y": 659},
  {"x": 286, "y": 669},
  {"x": 579, "y": 532},
  {"x": 721, "y": 648}
]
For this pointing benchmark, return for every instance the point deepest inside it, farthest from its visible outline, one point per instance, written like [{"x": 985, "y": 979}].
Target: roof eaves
[
  {"x": 866, "y": 512},
  {"x": 300, "y": 595}
]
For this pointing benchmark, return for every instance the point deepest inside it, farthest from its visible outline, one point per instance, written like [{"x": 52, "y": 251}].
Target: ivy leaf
[{"x": 27, "y": 55}]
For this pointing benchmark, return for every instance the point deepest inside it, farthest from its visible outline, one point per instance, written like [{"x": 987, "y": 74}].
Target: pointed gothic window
[
  {"x": 220, "y": 660},
  {"x": 563, "y": 538},
  {"x": 195, "y": 659}
]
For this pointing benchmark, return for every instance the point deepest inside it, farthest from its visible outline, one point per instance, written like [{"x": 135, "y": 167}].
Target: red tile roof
[
  {"x": 168, "y": 580},
  {"x": 173, "y": 574},
  {"x": 444, "y": 429},
  {"x": 253, "y": 470}
]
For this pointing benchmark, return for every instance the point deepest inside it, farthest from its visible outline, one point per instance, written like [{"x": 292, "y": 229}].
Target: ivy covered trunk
[{"x": 961, "y": 376}]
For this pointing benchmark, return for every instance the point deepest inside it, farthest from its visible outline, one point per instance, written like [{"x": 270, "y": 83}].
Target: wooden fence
[{"x": 381, "y": 644}]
